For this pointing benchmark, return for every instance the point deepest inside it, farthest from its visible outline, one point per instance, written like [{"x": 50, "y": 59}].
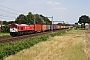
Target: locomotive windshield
[{"x": 13, "y": 26}]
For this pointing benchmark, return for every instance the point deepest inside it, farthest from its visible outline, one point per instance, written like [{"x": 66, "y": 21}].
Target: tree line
[
  {"x": 30, "y": 19},
  {"x": 26, "y": 19},
  {"x": 40, "y": 19}
]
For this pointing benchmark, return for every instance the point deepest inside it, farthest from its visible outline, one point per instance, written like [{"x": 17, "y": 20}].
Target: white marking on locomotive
[{"x": 13, "y": 30}]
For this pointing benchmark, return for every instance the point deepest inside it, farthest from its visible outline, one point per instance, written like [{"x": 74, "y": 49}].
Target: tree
[
  {"x": 83, "y": 20},
  {"x": 0, "y": 22},
  {"x": 30, "y": 18},
  {"x": 21, "y": 19},
  {"x": 60, "y": 24},
  {"x": 46, "y": 20},
  {"x": 5, "y": 29},
  {"x": 89, "y": 22},
  {"x": 76, "y": 25},
  {"x": 38, "y": 19},
  {"x": 10, "y": 22},
  {"x": 5, "y": 22}
]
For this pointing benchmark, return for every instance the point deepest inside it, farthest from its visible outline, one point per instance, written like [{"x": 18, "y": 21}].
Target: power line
[
  {"x": 6, "y": 16},
  {"x": 9, "y": 8},
  {"x": 7, "y": 11}
]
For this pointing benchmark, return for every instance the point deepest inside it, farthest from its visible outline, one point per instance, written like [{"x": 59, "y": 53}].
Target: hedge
[{"x": 14, "y": 47}]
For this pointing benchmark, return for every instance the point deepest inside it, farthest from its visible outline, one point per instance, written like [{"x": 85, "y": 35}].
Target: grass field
[
  {"x": 69, "y": 46},
  {"x": 3, "y": 35}
]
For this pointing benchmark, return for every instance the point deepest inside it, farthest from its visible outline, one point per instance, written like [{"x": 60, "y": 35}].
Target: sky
[{"x": 68, "y": 11}]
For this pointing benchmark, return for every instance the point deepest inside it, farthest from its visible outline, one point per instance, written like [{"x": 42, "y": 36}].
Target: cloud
[
  {"x": 62, "y": 9},
  {"x": 53, "y": 3}
]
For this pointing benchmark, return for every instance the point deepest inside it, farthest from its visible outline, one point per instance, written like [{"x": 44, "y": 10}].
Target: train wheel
[
  {"x": 22, "y": 33},
  {"x": 18, "y": 34},
  {"x": 12, "y": 34}
]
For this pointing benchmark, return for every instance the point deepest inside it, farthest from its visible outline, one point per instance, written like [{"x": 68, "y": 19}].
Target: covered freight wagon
[
  {"x": 58, "y": 26},
  {"x": 62, "y": 27},
  {"x": 38, "y": 27},
  {"x": 47, "y": 27},
  {"x": 54, "y": 27},
  {"x": 44, "y": 28},
  {"x": 51, "y": 27}
]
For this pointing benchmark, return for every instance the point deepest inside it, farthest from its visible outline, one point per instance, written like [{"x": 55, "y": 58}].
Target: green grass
[
  {"x": 3, "y": 35},
  {"x": 14, "y": 47},
  {"x": 78, "y": 53},
  {"x": 76, "y": 49},
  {"x": 69, "y": 46}
]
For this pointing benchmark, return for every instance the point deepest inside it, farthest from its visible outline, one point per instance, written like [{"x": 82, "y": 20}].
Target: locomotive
[{"x": 22, "y": 29}]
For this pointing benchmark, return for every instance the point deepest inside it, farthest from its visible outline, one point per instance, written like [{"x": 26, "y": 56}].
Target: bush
[{"x": 5, "y": 29}]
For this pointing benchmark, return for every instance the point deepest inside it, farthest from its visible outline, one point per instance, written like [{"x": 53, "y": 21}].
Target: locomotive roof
[{"x": 20, "y": 24}]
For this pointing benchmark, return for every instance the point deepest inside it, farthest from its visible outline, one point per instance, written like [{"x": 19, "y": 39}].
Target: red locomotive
[{"x": 21, "y": 29}]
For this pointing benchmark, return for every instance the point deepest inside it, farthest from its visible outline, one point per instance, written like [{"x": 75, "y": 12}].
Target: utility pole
[
  {"x": 41, "y": 19},
  {"x": 34, "y": 19},
  {"x": 52, "y": 22}
]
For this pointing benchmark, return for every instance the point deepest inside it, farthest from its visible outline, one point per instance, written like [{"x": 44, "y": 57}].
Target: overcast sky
[{"x": 62, "y": 10}]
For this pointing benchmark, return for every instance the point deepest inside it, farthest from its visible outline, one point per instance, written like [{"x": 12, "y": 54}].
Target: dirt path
[
  {"x": 66, "y": 47},
  {"x": 88, "y": 44}
]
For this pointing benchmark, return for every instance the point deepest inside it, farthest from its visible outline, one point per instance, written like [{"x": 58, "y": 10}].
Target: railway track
[{"x": 18, "y": 38}]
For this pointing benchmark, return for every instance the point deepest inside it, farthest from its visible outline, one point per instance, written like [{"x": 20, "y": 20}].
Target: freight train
[{"x": 22, "y": 29}]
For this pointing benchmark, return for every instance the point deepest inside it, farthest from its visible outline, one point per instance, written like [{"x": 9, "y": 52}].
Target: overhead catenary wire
[
  {"x": 9, "y": 8},
  {"x": 7, "y": 16},
  {"x": 6, "y": 12}
]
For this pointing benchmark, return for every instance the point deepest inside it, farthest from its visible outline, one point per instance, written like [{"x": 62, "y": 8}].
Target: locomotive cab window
[{"x": 13, "y": 26}]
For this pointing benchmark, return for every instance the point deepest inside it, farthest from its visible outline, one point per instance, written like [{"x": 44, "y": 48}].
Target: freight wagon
[{"x": 44, "y": 28}]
